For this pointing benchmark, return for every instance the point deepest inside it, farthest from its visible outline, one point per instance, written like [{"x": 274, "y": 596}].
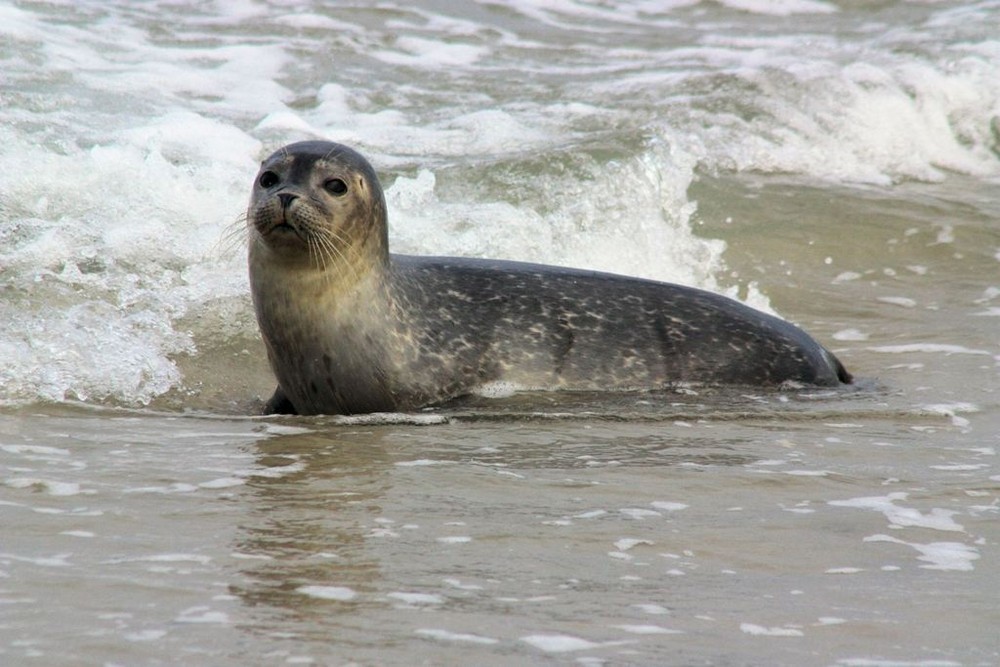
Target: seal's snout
[{"x": 277, "y": 217}]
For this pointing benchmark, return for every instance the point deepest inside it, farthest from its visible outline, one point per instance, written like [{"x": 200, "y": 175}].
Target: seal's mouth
[
  {"x": 278, "y": 230},
  {"x": 284, "y": 233},
  {"x": 282, "y": 225}
]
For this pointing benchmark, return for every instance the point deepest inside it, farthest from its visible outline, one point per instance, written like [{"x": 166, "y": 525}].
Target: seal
[{"x": 350, "y": 328}]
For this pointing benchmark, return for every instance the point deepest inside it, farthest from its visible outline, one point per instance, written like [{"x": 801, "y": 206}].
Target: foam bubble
[
  {"x": 906, "y": 517},
  {"x": 417, "y": 599},
  {"x": 945, "y": 348},
  {"x": 564, "y": 643},
  {"x": 339, "y": 593},
  {"x": 166, "y": 558},
  {"x": 650, "y": 608},
  {"x": 448, "y": 636},
  {"x": 222, "y": 483},
  {"x": 419, "y": 463},
  {"x": 425, "y": 52},
  {"x": 762, "y": 631},
  {"x": 49, "y": 486},
  {"x": 639, "y": 513},
  {"x": 145, "y": 635},
  {"x": 938, "y": 555},
  {"x": 199, "y": 615},
  {"x": 497, "y": 390},
  {"x": 35, "y": 450},
  {"x": 781, "y": 7},
  {"x": 668, "y": 505},
  {"x": 648, "y": 630},
  {"x": 392, "y": 418},
  {"x": 850, "y": 335},
  {"x": 626, "y": 543}
]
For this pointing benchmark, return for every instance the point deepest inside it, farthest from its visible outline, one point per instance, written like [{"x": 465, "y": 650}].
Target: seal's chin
[
  {"x": 283, "y": 228},
  {"x": 276, "y": 229}
]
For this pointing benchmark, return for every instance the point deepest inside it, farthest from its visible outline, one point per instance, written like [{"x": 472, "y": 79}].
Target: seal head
[
  {"x": 351, "y": 328},
  {"x": 318, "y": 203}
]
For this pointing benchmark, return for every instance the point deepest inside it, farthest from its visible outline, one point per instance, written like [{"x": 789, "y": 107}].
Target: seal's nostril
[{"x": 286, "y": 199}]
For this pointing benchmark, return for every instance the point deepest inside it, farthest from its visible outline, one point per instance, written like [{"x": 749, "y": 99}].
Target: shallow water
[
  {"x": 835, "y": 163},
  {"x": 771, "y": 539}
]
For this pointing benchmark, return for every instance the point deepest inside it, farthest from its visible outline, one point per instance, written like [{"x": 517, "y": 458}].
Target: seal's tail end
[
  {"x": 842, "y": 374},
  {"x": 833, "y": 371}
]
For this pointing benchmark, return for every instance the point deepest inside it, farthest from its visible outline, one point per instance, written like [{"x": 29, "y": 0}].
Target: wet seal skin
[{"x": 350, "y": 328}]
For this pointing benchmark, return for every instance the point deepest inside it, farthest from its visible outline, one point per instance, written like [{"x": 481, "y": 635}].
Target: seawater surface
[{"x": 833, "y": 162}]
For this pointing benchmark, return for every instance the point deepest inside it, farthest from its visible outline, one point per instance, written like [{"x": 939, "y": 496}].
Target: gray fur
[{"x": 365, "y": 331}]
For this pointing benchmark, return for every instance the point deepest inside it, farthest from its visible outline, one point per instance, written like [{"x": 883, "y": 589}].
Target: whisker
[
  {"x": 234, "y": 237},
  {"x": 332, "y": 256},
  {"x": 316, "y": 253},
  {"x": 335, "y": 242}
]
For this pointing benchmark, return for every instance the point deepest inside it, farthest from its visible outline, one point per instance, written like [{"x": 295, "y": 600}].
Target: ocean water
[{"x": 837, "y": 163}]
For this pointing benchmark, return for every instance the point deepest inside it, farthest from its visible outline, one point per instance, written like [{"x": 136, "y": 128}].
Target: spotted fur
[{"x": 350, "y": 328}]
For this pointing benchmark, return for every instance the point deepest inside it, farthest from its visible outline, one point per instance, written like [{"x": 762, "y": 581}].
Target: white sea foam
[
  {"x": 417, "y": 599},
  {"x": 458, "y": 637},
  {"x": 763, "y": 631},
  {"x": 640, "y": 225},
  {"x": 850, "y": 335},
  {"x": 879, "y": 662},
  {"x": 626, "y": 543},
  {"x": 905, "y": 517},
  {"x": 165, "y": 558},
  {"x": 50, "y": 486},
  {"x": 339, "y": 593},
  {"x": 565, "y": 643},
  {"x": 392, "y": 418},
  {"x": 423, "y": 52},
  {"x": 639, "y": 513},
  {"x": 497, "y": 390},
  {"x": 200, "y": 615},
  {"x": 34, "y": 449},
  {"x": 782, "y": 7},
  {"x": 57, "y": 560},
  {"x": 648, "y": 630},
  {"x": 421, "y": 463},
  {"x": 668, "y": 505},
  {"x": 145, "y": 635},
  {"x": 222, "y": 483},
  {"x": 902, "y": 301},
  {"x": 938, "y": 555},
  {"x": 128, "y": 150},
  {"x": 934, "y": 348},
  {"x": 651, "y": 608}
]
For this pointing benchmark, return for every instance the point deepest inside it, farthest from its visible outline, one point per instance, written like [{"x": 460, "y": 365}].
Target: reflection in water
[
  {"x": 316, "y": 522},
  {"x": 308, "y": 527}
]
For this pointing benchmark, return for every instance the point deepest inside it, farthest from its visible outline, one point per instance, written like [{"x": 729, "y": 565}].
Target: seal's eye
[
  {"x": 336, "y": 187},
  {"x": 268, "y": 179}
]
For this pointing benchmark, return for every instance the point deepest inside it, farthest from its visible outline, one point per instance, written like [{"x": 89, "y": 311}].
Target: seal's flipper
[{"x": 279, "y": 404}]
